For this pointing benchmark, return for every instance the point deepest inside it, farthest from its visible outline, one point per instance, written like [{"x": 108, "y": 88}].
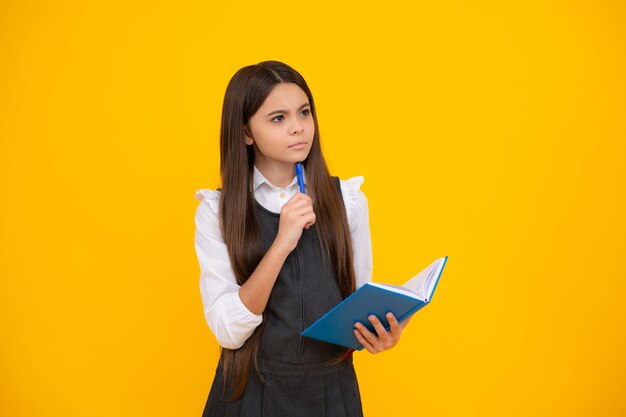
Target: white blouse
[{"x": 227, "y": 317}]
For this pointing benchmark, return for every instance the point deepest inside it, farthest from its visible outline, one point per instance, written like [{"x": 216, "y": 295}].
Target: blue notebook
[{"x": 337, "y": 326}]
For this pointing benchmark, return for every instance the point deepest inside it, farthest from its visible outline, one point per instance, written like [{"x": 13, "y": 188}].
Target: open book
[{"x": 337, "y": 326}]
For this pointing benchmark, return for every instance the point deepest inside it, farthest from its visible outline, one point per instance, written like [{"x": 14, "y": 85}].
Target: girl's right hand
[{"x": 295, "y": 215}]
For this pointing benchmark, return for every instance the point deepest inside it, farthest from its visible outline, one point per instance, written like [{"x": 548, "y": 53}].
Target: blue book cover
[{"x": 337, "y": 326}]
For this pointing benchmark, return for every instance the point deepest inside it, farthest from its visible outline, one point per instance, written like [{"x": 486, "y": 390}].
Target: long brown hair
[{"x": 245, "y": 93}]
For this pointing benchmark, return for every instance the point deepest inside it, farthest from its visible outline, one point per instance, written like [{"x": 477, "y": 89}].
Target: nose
[{"x": 296, "y": 128}]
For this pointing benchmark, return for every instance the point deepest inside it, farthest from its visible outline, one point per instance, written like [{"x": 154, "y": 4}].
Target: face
[{"x": 281, "y": 131}]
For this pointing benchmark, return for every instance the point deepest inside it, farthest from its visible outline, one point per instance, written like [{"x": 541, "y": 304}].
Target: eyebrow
[{"x": 285, "y": 111}]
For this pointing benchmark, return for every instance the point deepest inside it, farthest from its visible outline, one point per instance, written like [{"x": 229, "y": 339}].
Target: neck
[{"x": 279, "y": 174}]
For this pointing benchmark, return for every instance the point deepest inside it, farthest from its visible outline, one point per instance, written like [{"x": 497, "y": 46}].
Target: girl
[{"x": 274, "y": 259}]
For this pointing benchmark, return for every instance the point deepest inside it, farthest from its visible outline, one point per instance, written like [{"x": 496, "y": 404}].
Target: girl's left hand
[{"x": 385, "y": 340}]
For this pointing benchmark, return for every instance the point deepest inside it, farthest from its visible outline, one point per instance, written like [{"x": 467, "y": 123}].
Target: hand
[
  {"x": 295, "y": 215},
  {"x": 385, "y": 340}
]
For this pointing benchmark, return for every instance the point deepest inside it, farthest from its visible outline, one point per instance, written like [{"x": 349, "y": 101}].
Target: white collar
[{"x": 259, "y": 178}]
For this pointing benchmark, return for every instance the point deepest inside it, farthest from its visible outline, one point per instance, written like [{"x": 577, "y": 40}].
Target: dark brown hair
[{"x": 246, "y": 92}]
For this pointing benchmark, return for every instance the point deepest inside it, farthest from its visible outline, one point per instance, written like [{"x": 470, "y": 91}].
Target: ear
[{"x": 248, "y": 137}]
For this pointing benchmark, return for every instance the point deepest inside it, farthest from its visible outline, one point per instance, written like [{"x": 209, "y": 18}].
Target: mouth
[{"x": 302, "y": 142}]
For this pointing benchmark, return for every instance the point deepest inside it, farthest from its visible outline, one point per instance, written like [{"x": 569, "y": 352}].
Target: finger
[
  {"x": 371, "y": 337},
  {"x": 394, "y": 327},
  {"x": 301, "y": 216},
  {"x": 362, "y": 340},
  {"x": 380, "y": 329},
  {"x": 305, "y": 197},
  {"x": 310, "y": 220},
  {"x": 296, "y": 205},
  {"x": 301, "y": 211},
  {"x": 297, "y": 212},
  {"x": 298, "y": 196},
  {"x": 306, "y": 216}
]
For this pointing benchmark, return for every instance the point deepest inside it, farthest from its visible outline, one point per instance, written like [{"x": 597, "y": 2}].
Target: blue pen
[{"x": 300, "y": 176}]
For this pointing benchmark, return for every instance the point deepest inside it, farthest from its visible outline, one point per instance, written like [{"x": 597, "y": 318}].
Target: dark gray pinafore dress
[{"x": 299, "y": 380}]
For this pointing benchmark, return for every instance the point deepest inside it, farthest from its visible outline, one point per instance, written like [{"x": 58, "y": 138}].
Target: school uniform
[{"x": 298, "y": 377}]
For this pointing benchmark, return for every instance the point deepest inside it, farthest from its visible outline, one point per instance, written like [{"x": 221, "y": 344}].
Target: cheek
[{"x": 310, "y": 125}]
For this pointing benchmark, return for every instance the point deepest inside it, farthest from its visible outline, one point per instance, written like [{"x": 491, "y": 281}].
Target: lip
[{"x": 298, "y": 145}]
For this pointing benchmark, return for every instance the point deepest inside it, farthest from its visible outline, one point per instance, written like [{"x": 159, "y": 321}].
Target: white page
[
  {"x": 432, "y": 279},
  {"x": 396, "y": 288},
  {"x": 422, "y": 283}
]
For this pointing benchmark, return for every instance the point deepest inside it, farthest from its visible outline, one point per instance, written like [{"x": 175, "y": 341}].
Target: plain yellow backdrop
[{"x": 492, "y": 132}]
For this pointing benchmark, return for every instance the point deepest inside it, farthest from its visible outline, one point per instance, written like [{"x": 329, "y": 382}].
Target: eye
[
  {"x": 277, "y": 117},
  {"x": 306, "y": 112}
]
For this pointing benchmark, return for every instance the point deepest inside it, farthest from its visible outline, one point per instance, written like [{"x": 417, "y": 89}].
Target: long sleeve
[
  {"x": 357, "y": 211},
  {"x": 227, "y": 317}
]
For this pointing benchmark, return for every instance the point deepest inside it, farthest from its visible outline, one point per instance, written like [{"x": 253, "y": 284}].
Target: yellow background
[{"x": 491, "y": 132}]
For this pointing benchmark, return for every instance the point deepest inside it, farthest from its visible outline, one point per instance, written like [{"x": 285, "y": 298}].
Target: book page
[
  {"x": 396, "y": 288},
  {"x": 423, "y": 283}
]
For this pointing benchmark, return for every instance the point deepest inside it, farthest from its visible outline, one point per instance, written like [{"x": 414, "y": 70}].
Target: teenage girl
[{"x": 273, "y": 259}]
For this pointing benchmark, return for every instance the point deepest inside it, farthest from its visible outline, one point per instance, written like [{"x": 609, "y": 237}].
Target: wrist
[{"x": 279, "y": 249}]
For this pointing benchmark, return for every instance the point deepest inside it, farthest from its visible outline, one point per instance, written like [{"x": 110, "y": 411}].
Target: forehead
[{"x": 284, "y": 96}]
